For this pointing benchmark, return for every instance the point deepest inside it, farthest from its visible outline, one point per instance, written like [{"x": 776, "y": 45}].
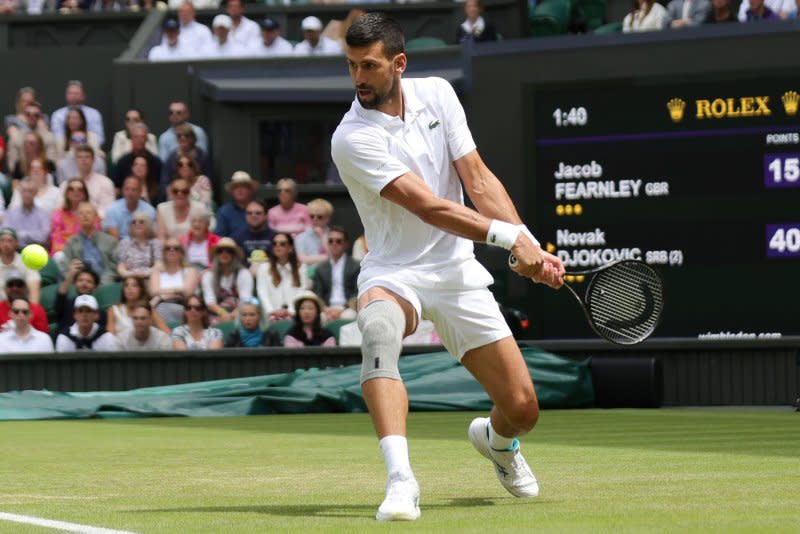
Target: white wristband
[
  {"x": 529, "y": 234},
  {"x": 502, "y": 234}
]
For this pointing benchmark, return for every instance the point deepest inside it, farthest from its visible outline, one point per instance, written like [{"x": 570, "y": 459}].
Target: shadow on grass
[{"x": 313, "y": 510}]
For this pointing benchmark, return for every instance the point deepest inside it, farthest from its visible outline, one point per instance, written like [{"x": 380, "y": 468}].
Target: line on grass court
[{"x": 60, "y": 525}]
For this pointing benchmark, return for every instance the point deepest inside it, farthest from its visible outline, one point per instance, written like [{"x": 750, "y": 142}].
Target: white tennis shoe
[
  {"x": 402, "y": 499},
  {"x": 510, "y": 466}
]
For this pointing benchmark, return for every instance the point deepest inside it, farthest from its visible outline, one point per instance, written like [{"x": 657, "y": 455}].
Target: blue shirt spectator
[
  {"x": 31, "y": 222},
  {"x": 75, "y": 97},
  {"x": 168, "y": 141},
  {"x": 118, "y": 217}
]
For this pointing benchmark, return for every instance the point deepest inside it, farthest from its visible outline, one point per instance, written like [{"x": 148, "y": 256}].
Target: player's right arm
[{"x": 413, "y": 194}]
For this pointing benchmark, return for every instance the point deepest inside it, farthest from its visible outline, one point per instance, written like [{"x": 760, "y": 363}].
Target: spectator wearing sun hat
[
  {"x": 232, "y": 215},
  {"x": 314, "y": 43},
  {"x": 86, "y": 333},
  {"x": 227, "y": 282}
]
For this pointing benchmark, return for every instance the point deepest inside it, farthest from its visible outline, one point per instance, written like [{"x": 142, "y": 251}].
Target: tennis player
[{"x": 403, "y": 150}]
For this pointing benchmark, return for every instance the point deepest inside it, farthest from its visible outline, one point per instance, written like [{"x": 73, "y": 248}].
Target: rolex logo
[
  {"x": 676, "y": 107},
  {"x": 790, "y": 101}
]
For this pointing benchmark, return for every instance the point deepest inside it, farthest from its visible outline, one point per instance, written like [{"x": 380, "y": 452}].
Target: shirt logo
[{"x": 433, "y": 124}]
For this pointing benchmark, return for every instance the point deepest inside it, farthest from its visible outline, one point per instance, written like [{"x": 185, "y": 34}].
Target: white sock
[
  {"x": 395, "y": 454},
  {"x": 498, "y": 442}
]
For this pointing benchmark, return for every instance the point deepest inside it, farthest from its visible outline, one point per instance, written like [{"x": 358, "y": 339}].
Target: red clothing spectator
[{"x": 38, "y": 316}]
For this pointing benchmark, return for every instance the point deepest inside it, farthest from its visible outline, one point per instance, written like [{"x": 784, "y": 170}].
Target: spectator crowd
[
  {"x": 141, "y": 256},
  {"x": 649, "y": 15}
]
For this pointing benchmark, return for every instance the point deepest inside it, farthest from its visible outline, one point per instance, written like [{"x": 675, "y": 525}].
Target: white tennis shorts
[{"x": 456, "y": 299}]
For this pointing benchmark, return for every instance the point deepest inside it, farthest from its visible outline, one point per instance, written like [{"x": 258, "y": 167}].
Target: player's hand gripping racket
[{"x": 623, "y": 301}]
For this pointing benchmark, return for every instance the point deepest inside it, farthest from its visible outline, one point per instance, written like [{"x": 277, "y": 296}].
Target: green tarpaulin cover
[{"x": 434, "y": 381}]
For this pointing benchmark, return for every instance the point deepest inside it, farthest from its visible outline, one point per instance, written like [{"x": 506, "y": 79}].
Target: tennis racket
[{"x": 623, "y": 300}]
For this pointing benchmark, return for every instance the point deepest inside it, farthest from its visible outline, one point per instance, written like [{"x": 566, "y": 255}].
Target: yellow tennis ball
[{"x": 34, "y": 257}]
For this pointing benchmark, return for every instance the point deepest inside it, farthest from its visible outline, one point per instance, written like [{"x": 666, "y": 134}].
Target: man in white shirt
[
  {"x": 143, "y": 335},
  {"x": 403, "y": 150},
  {"x": 75, "y": 96},
  {"x": 194, "y": 36},
  {"x": 86, "y": 334},
  {"x": 22, "y": 337},
  {"x": 222, "y": 46},
  {"x": 101, "y": 188},
  {"x": 314, "y": 43},
  {"x": 272, "y": 43},
  {"x": 244, "y": 32},
  {"x": 172, "y": 47}
]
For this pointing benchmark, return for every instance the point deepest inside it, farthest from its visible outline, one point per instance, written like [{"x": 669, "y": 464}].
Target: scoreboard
[{"x": 698, "y": 178}]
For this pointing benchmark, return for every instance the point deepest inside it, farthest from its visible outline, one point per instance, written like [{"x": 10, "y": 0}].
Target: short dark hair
[
  {"x": 94, "y": 275},
  {"x": 339, "y": 229},
  {"x": 145, "y": 305},
  {"x": 376, "y": 26},
  {"x": 84, "y": 148}
]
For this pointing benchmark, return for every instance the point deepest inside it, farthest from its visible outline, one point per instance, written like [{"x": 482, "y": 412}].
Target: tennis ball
[{"x": 34, "y": 257}]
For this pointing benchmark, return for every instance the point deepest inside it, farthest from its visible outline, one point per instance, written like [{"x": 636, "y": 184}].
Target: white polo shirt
[
  {"x": 372, "y": 149},
  {"x": 35, "y": 341}
]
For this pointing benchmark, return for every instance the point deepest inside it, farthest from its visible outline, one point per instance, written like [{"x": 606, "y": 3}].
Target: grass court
[{"x": 668, "y": 470}]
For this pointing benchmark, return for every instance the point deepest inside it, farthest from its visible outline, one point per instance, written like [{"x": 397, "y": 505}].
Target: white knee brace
[{"x": 382, "y": 324}]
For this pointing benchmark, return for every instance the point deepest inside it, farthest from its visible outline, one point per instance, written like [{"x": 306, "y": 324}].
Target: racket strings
[{"x": 625, "y": 302}]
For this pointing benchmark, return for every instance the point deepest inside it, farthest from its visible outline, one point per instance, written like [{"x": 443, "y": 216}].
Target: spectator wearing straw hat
[
  {"x": 227, "y": 282},
  {"x": 233, "y": 215},
  {"x": 314, "y": 43}
]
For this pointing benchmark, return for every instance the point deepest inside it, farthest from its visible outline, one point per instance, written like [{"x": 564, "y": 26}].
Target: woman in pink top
[
  {"x": 65, "y": 219},
  {"x": 288, "y": 216}
]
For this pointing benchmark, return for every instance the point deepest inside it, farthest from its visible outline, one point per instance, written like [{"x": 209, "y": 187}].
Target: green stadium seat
[
  {"x": 611, "y": 27},
  {"x": 424, "y": 43},
  {"x": 335, "y": 326},
  {"x": 227, "y": 327},
  {"x": 109, "y": 294},
  {"x": 551, "y": 17},
  {"x": 593, "y": 12},
  {"x": 47, "y": 298},
  {"x": 49, "y": 273},
  {"x": 281, "y": 327}
]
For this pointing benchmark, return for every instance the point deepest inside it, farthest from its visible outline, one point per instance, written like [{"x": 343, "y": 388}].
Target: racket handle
[{"x": 512, "y": 261}]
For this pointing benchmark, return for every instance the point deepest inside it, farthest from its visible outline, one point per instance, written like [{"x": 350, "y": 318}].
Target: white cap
[
  {"x": 311, "y": 23},
  {"x": 87, "y": 301},
  {"x": 222, "y": 20}
]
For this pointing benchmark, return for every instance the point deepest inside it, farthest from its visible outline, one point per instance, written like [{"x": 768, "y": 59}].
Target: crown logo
[
  {"x": 790, "y": 101},
  {"x": 676, "y": 107}
]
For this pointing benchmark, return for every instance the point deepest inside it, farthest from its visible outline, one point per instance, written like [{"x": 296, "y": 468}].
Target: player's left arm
[{"x": 485, "y": 190}]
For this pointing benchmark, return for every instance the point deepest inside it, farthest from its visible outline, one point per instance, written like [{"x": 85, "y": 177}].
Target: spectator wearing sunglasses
[
  {"x": 187, "y": 148},
  {"x": 256, "y": 235},
  {"x": 281, "y": 280},
  {"x": 16, "y": 287},
  {"x": 122, "y": 139},
  {"x": 335, "y": 280},
  {"x": 174, "y": 217},
  {"x": 168, "y": 141},
  {"x": 21, "y": 336},
  {"x": 312, "y": 244},
  {"x": 227, "y": 282},
  {"x": 196, "y": 333}
]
